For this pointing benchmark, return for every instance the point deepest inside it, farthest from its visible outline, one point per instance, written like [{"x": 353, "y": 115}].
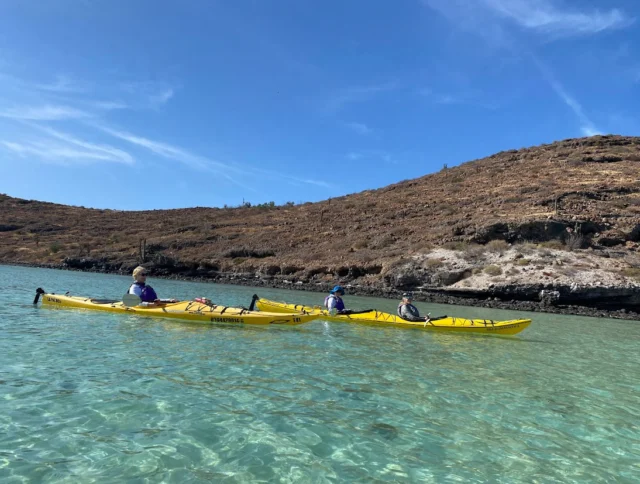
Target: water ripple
[{"x": 90, "y": 397}]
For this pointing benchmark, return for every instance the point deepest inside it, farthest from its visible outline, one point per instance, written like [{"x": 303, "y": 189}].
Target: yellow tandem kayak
[
  {"x": 451, "y": 324},
  {"x": 185, "y": 310}
]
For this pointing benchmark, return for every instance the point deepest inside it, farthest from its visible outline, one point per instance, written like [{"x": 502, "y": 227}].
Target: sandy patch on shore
[{"x": 527, "y": 265}]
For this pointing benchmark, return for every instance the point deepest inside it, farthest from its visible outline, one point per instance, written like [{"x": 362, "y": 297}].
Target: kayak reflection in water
[
  {"x": 334, "y": 303},
  {"x": 408, "y": 311},
  {"x": 144, "y": 292}
]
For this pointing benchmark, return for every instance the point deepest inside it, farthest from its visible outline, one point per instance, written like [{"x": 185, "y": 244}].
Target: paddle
[
  {"x": 130, "y": 300},
  {"x": 429, "y": 319},
  {"x": 348, "y": 312}
]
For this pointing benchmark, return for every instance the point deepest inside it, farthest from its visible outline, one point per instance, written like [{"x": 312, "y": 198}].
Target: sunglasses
[{"x": 143, "y": 274}]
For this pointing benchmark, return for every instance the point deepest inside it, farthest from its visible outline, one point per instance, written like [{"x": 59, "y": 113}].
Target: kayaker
[
  {"x": 144, "y": 292},
  {"x": 407, "y": 311},
  {"x": 334, "y": 300}
]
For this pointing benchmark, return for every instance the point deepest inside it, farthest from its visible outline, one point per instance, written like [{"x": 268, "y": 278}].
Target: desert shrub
[
  {"x": 361, "y": 244},
  {"x": 448, "y": 211},
  {"x": 382, "y": 242},
  {"x": 493, "y": 270},
  {"x": 206, "y": 265},
  {"x": 631, "y": 273},
  {"x": 433, "y": 263},
  {"x": 394, "y": 253},
  {"x": 458, "y": 246},
  {"x": 55, "y": 247},
  {"x": 422, "y": 246},
  {"x": 568, "y": 272},
  {"x": 476, "y": 270},
  {"x": 266, "y": 205},
  {"x": 497, "y": 246},
  {"x": 620, "y": 203},
  {"x": 529, "y": 189},
  {"x": 245, "y": 252},
  {"x": 9, "y": 227},
  {"x": 574, "y": 241},
  {"x": 239, "y": 260},
  {"x": 188, "y": 228},
  {"x": 554, "y": 244},
  {"x": 162, "y": 260},
  {"x": 602, "y": 159},
  {"x": 523, "y": 262},
  {"x": 473, "y": 252},
  {"x": 364, "y": 257},
  {"x": 288, "y": 270},
  {"x": 527, "y": 247}
]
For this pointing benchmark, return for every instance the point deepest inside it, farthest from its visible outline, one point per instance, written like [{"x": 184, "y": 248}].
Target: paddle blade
[{"x": 130, "y": 300}]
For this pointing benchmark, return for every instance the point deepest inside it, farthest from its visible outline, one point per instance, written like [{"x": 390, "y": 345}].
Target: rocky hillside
[{"x": 581, "y": 195}]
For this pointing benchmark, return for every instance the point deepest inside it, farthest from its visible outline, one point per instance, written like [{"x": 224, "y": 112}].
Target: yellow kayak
[
  {"x": 373, "y": 316},
  {"x": 185, "y": 310}
]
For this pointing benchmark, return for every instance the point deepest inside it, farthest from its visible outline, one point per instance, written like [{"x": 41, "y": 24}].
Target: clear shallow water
[{"x": 91, "y": 397}]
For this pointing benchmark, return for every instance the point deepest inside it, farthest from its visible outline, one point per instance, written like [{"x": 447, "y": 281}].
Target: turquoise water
[{"x": 92, "y": 397}]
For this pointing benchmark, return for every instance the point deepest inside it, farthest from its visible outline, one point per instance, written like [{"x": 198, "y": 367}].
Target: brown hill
[{"x": 590, "y": 186}]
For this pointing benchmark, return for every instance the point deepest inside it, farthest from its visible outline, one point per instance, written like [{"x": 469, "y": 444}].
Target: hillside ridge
[{"x": 581, "y": 194}]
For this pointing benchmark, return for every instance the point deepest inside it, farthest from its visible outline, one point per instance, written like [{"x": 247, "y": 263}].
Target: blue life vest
[
  {"x": 339, "y": 302},
  {"x": 148, "y": 294}
]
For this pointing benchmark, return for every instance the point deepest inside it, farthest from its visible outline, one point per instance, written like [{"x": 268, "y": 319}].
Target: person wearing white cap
[{"x": 408, "y": 311}]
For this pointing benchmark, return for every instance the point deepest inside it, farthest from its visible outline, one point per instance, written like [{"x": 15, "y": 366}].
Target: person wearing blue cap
[{"x": 333, "y": 302}]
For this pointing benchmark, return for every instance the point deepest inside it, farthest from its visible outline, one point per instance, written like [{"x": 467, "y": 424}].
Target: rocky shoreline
[{"x": 546, "y": 298}]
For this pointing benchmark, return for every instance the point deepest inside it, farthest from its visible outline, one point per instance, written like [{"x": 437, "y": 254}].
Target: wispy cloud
[
  {"x": 372, "y": 155},
  {"x": 47, "y": 112},
  {"x": 590, "y": 131},
  {"x": 492, "y": 18},
  {"x": 51, "y": 151},
  {"x": 469, "y": 98},
  {"x": 109, "y": 153},
  {"x": 587, "y": 127},
  {"x": 151, "y": 94},
  {"x": 355, "y": 94},
  {"x": 202, "y": 163},
  {"x": 109, "y": 105},
  {"x": 62, "y": 84},
  {"x": 359, "y": 128},
  {"x": 161, "y": 97},
  {"x": 296, "y": 180},
  {"x": 69, "y": 102},
  {"x": 442, "y": 98},
  {"x": 165, "y": 150},
  {"x": 549, "y": 17},
  {"x": 546, "y": 17}
]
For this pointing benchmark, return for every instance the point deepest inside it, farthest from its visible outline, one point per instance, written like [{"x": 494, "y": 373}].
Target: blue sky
[{"x": 137, "y": 104}]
